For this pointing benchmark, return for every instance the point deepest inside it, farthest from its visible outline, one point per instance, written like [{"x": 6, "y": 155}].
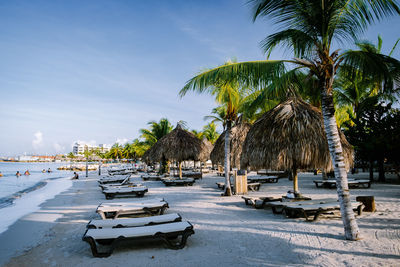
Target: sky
[{"x": 98, "y": 71}]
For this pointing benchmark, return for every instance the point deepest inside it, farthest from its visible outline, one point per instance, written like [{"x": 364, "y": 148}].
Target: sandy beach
[{"x": 227, "y": 232}]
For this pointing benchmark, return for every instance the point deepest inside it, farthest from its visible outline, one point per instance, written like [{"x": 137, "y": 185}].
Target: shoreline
[{"x": 226, "y": 231}]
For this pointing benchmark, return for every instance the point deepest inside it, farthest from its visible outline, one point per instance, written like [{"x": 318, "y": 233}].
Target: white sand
[{"x": 227, "y": 232}]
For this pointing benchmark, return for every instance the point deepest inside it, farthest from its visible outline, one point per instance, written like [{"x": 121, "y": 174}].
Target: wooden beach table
[{"x": 331, "y": 183}]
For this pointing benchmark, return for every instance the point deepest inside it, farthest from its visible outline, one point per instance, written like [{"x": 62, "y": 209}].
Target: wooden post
[{"x": 295, "y": 180}]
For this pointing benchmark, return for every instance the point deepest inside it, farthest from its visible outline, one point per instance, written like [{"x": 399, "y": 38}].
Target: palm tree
[
  {"x": 358, "y": 89},
  {"x": 156, "y": 131},
  {"x": 210, "y": 132},
  {"x": 198, "y": 134},
  {"x": 115, "y": 151},
  {"x": 219, "y": 115},
  {"x": 230, "y": 94},
  {"x": 310, "y": 28}
]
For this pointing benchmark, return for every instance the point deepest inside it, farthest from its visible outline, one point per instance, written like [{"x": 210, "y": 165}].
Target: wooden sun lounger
[
  {"x": 251, "y": 186},
  {"x": 112, "y": 236},
  {"x": 279, "y": 207},
  {"x": 134, "y": 222},
  {"x": 109, "y": 180},
  {"x": 131, "y": 209},
  {"x": 351, "y": 182},
  {"x": 147, "y": 177},
  {"x": 262, "y": 179},
  {"x": 138, "y": 191},
  {"x": 177, "y": 182},
  {"x": 296, "y": 210},
  {"x": 116, "y": 186},
  {"x": 253, "y": 201}
]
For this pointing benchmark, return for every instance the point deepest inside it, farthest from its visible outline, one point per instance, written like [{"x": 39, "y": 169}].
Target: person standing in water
[{"x": 17, "y": 174}]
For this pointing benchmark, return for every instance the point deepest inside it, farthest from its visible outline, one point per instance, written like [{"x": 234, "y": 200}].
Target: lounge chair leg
[
  {"x": 93, "y": 247},
  {"x": 182, "y": 242}
]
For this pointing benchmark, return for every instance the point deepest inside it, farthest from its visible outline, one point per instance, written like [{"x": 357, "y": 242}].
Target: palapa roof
[
  {"x": 292, "y": 132},
  {"x": 238, "y": 135},
  {"x": 178, "y": 145}
]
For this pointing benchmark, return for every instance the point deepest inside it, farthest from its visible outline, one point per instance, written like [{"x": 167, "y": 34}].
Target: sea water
[{"x": 23, "y": 195}]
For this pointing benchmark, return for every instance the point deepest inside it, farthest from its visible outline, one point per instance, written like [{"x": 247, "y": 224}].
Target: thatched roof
[
  {"x": 178, "y": 145},
  {"x": 291, "y": 133},
  {"x": 238, "y": 135}
]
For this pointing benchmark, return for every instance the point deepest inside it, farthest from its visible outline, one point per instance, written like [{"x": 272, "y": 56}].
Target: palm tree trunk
[
  {"x": 228, "y": 191},
  {"x": 180, "y": 169},
  {"x": 295, "y": 180},
  {"x": 335, "y": 148},
  {"x": 371, "y": 170}
]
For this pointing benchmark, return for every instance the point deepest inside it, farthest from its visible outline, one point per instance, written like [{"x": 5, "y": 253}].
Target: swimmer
[
  {"x": 1, "y": 175},
  {"x": 27, "y": 173},
  {"x": 76, "y": 176},
  {"x": 43, "y": 170},
  {"x": 17, "y": 174},
  {"x": 49, "y": 170}
]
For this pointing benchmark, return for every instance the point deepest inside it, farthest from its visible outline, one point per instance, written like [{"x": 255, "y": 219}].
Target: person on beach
[
  {"x": 49, "y": 170},
  {"x": 27, "y": 173},
  {"x": 76, "y": 176},
  {"x": 17, "y": 174}
]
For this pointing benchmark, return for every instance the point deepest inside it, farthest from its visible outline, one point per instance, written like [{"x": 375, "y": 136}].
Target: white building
[{"x": 79, "y": 148}]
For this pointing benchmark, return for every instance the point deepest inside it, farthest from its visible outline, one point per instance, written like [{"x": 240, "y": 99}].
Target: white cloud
[
  {"x": 58, "y": 148},
  {"x": 38, "y": 140},
  {"x": 122, "y": 141}
]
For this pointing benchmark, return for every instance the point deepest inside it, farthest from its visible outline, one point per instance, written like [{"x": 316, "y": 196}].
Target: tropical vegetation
[{"x": 310, "y": 29}]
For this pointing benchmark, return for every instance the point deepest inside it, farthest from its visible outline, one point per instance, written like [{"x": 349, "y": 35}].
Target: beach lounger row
[
  {"x": 351, "y": 183},
  {"x": 308, "y": 209},
  {"x": 104, "y": 235}
]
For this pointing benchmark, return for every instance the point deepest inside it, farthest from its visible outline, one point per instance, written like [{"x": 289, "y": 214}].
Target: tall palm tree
[
  {"x": 310, "y": 28},
  {"x": 230, "y": 95}
]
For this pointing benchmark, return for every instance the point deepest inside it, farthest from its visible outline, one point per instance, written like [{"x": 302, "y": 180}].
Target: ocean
[{"x": 22, "y": 195}]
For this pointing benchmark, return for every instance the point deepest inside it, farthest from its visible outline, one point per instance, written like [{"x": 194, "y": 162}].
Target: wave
[{"x": 9, "y": 200}]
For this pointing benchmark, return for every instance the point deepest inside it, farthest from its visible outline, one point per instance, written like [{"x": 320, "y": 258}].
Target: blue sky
[{"x": 98, "y": 71}]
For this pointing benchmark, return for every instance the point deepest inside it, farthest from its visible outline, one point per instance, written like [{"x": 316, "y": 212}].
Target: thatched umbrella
[
  {"x": 179, "y": 145},
  {"x": 291, "y": 136},
  {"x": 238, "y": 135}
]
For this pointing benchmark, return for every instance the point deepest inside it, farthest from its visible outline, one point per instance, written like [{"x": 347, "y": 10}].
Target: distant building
[
  {"x": 28, "y": 158},
  {"x": 79, "y": 148}
]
